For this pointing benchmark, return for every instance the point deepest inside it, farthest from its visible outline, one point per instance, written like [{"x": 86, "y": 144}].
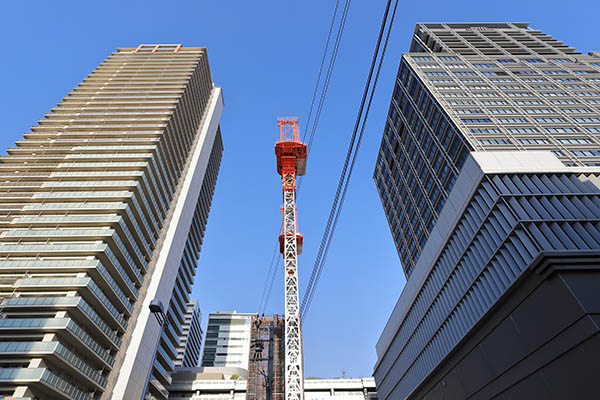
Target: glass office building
[
  {"x": 104, "y": 204},
  {"x": 488, "y": 169}
]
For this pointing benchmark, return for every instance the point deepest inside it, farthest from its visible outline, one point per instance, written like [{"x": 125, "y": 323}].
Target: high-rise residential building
[
  {"x": 489, "y": 174},
  {"x": 227, "y": 340},
  {"x": 104, "y": 205},
  {"x": 191, "y": 340}
]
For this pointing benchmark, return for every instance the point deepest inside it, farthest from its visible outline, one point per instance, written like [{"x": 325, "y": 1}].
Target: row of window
[
  {"x": 526, "y": 110},
  {"x": 592, "y": 129},
  {"x": 488, "y": 65},
  {"x": 501, "y": 73},
  {"x": 543, "y": 141}
]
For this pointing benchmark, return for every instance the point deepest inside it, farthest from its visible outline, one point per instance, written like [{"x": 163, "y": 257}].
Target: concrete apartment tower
[
  {"x": 489, "y": 174},
  {"x": 191, "y": 339},
  {"x": 104, "y": 207}
]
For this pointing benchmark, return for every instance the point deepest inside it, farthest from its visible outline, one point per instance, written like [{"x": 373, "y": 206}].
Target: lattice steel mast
[{"x": 291, "y": 162}]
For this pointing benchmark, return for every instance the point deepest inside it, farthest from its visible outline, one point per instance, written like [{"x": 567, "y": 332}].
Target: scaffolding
[{"x": 266, "y": 363}]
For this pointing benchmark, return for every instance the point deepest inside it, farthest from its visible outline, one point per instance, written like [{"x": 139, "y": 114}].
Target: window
[
  {"x": 485, "y": 94},
  {"x": 428, "y": 66},
  {"x": 593, "y": 79},
  {"x": 593, "y": 101},
  {"x": 578, "y": 86},
  {"x": 435, "y": 73},
  {"x": 518, "y": 94},
  {"x": 561, "y": 130},
  {"x": 502, "y": 80},
  {"x": 493, "y": 73},
  {"x": 447, "y": 87},
  {"x": 586, "y": 153},
  {"x": 583, "y": 72},
  {"x": 476, "y": 120},
  {"x": 422, "y": 58},
  {"x": 575, "y": 141},
  {"x": 502, "y": 111},
  {"x": 456, "y": 94},
  {"x": 505, "y": 60},
  {"x": 539, "y": 110},
  {"x": 511, "y": 87},
  {"x": 567, "y": 80},
  {"x": 442, "y": 81},
  {"x": 554, "y": 72},
  {"x": 472, "y": 87},
  {"x": 560, "y": 60},
  {"x": 593, "y": 129},
  {"x": 522, "y": 130},
  {"x": 587, "y": 94},
  {"x": 449, "y": 58},
  {"x": 454, "y": 66},
  {"x": 534, "y": 141},
  {"x": 576, "y": 110},
  {"x": 471, "y": 80},
  {"x": 543, "y": 86},
  {"x": 550, "y": 119},
  {"x": 533, "y": 60},
  {"x": 525, "y": 102},
  {"x": 587, "y": 119},
  {"x": 469, "y": 111},
  {"x": 494, "y": 102},
  {"x": 553, "y": 94},
  {"x": 515, "y": 120},
  {"x": 461, "y": 102},
  {"x": 485, "y": 130},
  {"x": 484, "y": 65},
  {"x": 564, "y": 101},
  {"x": 534, "y": 80},
  {"x": 465, "y": 73},
  {"x": 494, "y": 141}
]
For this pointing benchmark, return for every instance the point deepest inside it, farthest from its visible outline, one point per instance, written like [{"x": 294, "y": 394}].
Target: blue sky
[{"x": 265, "y": 55}]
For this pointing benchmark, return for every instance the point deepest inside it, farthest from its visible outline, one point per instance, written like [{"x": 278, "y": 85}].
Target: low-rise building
[{"x": 230, "y": 384}]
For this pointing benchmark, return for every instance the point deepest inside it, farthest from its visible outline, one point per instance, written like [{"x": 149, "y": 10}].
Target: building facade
[
  {"x": 196, "y": 385},
  {"x": 190, "y": 342},
  {"x": 227, "y": 342},
  {"x": 489, "y": 172},
  {"x": 103, "y": 210}
]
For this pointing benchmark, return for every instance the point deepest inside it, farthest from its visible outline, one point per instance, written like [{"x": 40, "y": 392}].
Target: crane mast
[{"x": 291, "y": 162}]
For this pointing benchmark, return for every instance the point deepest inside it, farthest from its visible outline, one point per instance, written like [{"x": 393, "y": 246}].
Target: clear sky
[{"x": 265, "y": 55}]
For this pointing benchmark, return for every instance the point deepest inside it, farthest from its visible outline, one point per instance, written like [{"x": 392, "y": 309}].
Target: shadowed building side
[{"x": 489, "y": 174}]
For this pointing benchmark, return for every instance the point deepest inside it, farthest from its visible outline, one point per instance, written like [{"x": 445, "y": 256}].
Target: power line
[
  {"x": 347, "y": 173},
  {"x": 263, "y": 300},
  {"x": 276, "y": 261},
  {"x": 312, "y": 103},
  {"x": 326, "y": 82}
]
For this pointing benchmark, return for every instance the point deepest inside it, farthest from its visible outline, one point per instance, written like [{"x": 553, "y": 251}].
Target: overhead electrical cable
[
  {"x": 351, "y": 154},
  {"x": 312, "y": 103},
  {"x": 264, "y": 297},
  {"x": 327, "y": 80},
  {"x": 276, "y": 261}
]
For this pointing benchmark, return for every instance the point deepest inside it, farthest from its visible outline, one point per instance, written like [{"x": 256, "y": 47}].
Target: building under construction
[{"x": 266, "y": 367}]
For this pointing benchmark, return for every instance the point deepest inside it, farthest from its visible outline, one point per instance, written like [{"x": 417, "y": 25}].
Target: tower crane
[{"x": 291, "y": 162}]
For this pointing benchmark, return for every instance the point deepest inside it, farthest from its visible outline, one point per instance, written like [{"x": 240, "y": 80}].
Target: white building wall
[{"x": 232, "y": 344}]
